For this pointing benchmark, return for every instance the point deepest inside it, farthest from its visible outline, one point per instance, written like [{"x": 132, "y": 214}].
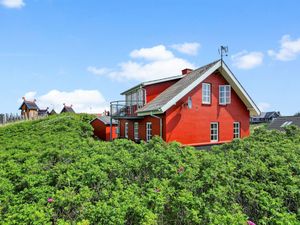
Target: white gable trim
[{"x": 185, "y": 91}]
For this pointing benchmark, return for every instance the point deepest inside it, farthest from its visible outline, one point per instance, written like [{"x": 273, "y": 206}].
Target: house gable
[
  {"x": 191, "y": 125},
  {"x": 173, "y": 94}
]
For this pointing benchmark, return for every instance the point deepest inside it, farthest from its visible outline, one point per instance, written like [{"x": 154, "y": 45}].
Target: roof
[
  {"x": 105, "y": 120},
  {"x": 146, "y": 83},
  {"x": 266, "y": 115},
  {"x": 43, "y": 112},
  {"x": 174, "y": 93},
  {"x": 67, "y": 109},
  {"x": 283, "y": 121},
  {"x": 30, "y": 105},
  {"x": 52, "y": 112}
]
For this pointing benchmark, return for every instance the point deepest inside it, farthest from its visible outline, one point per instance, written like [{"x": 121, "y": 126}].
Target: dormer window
[{"x": 224, "y": 94}]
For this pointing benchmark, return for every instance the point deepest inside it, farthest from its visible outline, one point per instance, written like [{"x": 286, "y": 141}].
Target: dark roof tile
[
  {"x": 106, "y": 120},
  {"x": 30, "y": 105},
  {"x": 280, "y": 122}
]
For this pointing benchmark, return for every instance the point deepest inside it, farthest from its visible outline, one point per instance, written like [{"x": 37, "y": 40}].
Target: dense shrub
[{"x": 53, "y": 172}]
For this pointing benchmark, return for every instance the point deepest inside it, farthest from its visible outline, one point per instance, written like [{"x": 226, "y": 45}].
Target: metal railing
[{"x": 123, "y": 109}]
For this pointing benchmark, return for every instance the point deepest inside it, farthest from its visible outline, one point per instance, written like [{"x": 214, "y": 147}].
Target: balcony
[{"x": 125, "y": 110}]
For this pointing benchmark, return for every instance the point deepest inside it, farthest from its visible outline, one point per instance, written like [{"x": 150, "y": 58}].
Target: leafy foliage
[{"x": 53, "y": 172}]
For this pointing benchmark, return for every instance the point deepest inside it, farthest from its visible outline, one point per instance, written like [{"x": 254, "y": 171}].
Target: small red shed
[{"x": 101, "y": 127}]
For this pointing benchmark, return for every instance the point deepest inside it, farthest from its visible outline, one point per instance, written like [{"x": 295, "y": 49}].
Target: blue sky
[{"x": 86, "y": 52}]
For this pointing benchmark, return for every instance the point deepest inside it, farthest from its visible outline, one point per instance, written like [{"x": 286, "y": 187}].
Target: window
[
  {"x": 236, "y": 130},
  {"x": 214, "y": 132},
  {"x": 141, "y": 97},
  {"x": 224, "y": 94},
  {"x": 128, "y": 99},
  {"x": 136, "y": 97},
  {"x": 136, "y": 130},
  {"x": 148, "y": 131},
  {"x": 206, "y": 93},
  {"x": 126, "y": 130}
]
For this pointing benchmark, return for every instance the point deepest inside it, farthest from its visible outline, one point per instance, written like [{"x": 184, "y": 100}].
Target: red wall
[
  {"x": 152, "y": 91},
  {"x": 192, "y": 126},
  {"x": 102, "y": 131},
  {"x": 142, "y": 127}
]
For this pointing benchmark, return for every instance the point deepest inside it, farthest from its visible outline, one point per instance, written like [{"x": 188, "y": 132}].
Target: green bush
[{"x": 53, "y": 172}]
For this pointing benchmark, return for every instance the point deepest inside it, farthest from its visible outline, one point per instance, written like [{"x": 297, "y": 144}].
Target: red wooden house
[
  {"x": 103, "y": 126},
  {"x": 200, "y": 107}
]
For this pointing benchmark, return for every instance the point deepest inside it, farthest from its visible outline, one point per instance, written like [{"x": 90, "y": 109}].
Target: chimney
[{"x": 186, "y": 71}]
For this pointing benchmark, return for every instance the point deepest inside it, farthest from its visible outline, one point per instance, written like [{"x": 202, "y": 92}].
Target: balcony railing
[{"x": 123, "y": 109}]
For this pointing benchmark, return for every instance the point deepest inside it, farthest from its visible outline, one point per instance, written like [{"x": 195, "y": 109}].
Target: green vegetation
[{"x": 53, "y": 172}]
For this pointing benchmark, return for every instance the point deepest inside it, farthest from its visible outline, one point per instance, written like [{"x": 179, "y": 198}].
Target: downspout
[{"x": 160, "y": 123}]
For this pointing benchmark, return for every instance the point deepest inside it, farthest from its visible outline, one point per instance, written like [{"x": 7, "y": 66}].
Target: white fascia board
[
  {"x": 132, "y": 89},
  {"x": 238, "y": 88},
  {"x": 185, "y": 91}
]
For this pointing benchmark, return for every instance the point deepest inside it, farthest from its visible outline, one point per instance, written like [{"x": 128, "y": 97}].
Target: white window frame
[
  {"x": 148, "y": 131},
  {"x": 224, "y": 94},
  {"x": 214, "y": 132},
  {"x": 136, "y": 130},
  {"x": 126, "y": 130},
  {"x": 236, "y": 130},
  {"x": 206, "y": 93}
]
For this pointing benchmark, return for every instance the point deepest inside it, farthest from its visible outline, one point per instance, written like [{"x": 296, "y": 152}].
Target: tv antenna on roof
[{"x": 223, "y": 50}]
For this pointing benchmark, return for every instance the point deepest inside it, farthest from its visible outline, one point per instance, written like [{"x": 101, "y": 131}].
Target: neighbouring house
[
  {"x": 43, "y": 112},
  {"x": 265, "y": 117},
  {"x": 67, "y": 109},
  {"x": 52, "y": 112},
  {"x": 199, "y": 107},
  {"x": 104, "y": 126},
  {"x": 29, "y": 109},
  {"x": 283, "y": 121}
]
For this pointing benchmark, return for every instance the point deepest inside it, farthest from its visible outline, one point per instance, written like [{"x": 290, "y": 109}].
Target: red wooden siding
[
  {"x": 192, "y": 126},
  {"x": 142, "y": 127},
  {"x": 102, "y": 131},
  {"x": 153, "y": 90}
]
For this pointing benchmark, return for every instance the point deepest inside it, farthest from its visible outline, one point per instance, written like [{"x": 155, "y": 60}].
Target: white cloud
[
  {"x": 187, "y": 48},
  {"x": 289, "y": 49},
  {"x": 30, "y": 95},
  {"x": 12, "y": 3},
  {"x": 155, "y": 53},
  {"x": 95, "y": 70},
  {"x": 88, "y": 101},
  {"x": 154, "y": 63},
  {"x": 264, "y": 106},
  {"x": 247, "y": 60}
]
